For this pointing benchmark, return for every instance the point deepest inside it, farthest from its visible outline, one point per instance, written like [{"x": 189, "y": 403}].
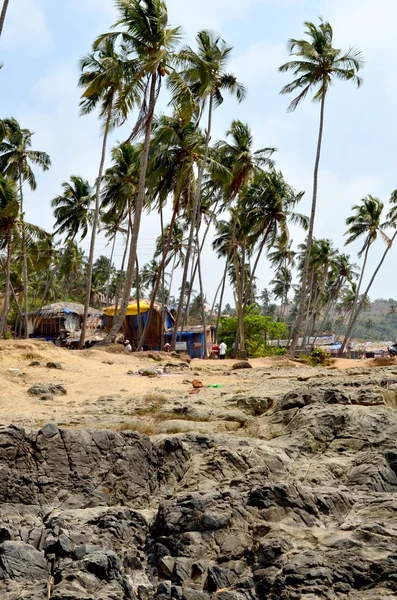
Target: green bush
[
  {"x": 258, "y": 330},
  {"x": 319, "y": 357}
]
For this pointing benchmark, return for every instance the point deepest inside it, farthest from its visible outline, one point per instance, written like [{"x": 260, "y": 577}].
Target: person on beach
[{"x": 222, "y": 350}]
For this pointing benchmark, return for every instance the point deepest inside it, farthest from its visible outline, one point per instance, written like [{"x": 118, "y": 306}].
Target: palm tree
[
  {"x": 12, "y": 230},
  {"x": 204, "y": 73},
  {"x": 73, "y": 212},
  {"x": 111, "y": 225},
  {"x": 108, "y": 81},
  {"x": 177, "y": 145},
  {"x": 3, "y": 15},
  {"x": 316, "y": 66},
  {"x": 391, "y": 222},
  {"x": 282, "y": 283},
  {"x": 269, "y": 205},
  {"x": 16, "y": 158},
  {"x": 367, "y": 222},
  {"x": 152, "y": 43}
]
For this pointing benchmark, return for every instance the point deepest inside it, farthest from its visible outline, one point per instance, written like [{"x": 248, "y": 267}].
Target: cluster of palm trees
[{"x": 170, "y": 165}]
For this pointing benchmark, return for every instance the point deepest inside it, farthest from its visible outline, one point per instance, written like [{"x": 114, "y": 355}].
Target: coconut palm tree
[
  {"x": 3, "y": 15},
  {"x": 73, "y": 208},
  {"x": 111, "y": 225},
  {"x": 365, "y": 222},
  {"x": 204, "y": 72},
  {"x": 177, "y": 145},
  {"x": 12, "y": 230},
  {"x": 316, "y": 65},
  {"x": 107, "y": 77},
  {"x": 16, "y": 160},
  {"x": 269, "y": 205},
  {"x": 391, "y": 222},
  {"x": 151, "y": 42}
]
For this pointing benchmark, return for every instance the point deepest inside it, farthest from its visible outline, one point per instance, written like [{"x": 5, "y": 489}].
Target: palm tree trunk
[
  {"x": 3, "y": 15},
  {"x": 138, "y": 300},
  {"x": 218, "y": 318},
  {"x": 205, "y": 354},
  {"x": 95, "y": 226},
  {"x": 353, "y": 318},
  {"x": 110, "y": 270},
  {"x": 158, "y": 278},
  {"x": 258, "y": 256},
  {"x": 6, "y": 306},
  {"x": 302, "y": 296},
  {"x": 138, "y": 215},
  {"x": 239, "y": 306},
  {"x": 186, "y": 314},
  {"x": 359, "y": 307},
  {"x": 25, "y": 262},
  {"x": 194, "y": 216},
  {"x": 120, "y": 283},
  {"x": 172, "y": 277}
]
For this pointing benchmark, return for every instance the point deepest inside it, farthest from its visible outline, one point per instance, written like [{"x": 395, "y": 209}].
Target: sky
[{"x": 43, "y": 41}]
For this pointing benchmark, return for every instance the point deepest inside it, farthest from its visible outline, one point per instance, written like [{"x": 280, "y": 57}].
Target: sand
[{"x": 91, "y": 375}]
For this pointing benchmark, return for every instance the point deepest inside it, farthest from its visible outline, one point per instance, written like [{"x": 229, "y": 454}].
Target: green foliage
[
  {"x": 318, "y": 356},
  {"x": 258, "y": 330}
]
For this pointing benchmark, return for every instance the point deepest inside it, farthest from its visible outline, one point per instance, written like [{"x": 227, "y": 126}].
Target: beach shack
[
  {"x": 193, "y": 341},
  {"x": 135, "y": 320},
  {"x": 50, "y": 320}
]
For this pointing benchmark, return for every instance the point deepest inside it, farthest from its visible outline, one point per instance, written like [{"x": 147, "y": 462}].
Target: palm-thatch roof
[{"x": 61, "y": 308}]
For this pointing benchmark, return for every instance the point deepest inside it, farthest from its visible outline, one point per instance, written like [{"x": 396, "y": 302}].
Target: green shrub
[
  {"x": 258, "y": 330},
  {"x": 319, "y": 357}
]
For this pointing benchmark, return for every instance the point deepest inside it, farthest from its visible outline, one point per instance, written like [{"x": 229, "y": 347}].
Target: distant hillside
[{"x": 377, "y": 323}]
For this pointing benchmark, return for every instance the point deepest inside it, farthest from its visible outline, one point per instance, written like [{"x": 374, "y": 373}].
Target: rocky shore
[{"x": 298, "y": 504}]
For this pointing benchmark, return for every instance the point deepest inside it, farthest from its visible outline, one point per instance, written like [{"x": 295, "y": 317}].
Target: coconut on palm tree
[
  {"x": 16, "y": 161},
  {"x": 316, "y": 65}
]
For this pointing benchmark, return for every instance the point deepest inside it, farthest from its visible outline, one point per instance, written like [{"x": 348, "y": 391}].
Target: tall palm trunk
[
  {"x": 120, "y": 282},
  {"x": 258, "y": 256},
  {"x": 302, "y": 295},
  {"x": 3, "y": 15},
  {"x": 90, "y": 265},
  {"x": 6, "y": 305},
  {"x": 110, "y": 270},
  {"x": 360, "y": 305},
  {"x": 159, "y": 273},
  {"x": 218, "y": 317},
  {"x": 205, "y": 353},
  {"x": 194, "y": 216},
  {"x": 240, "y": 341},
  {"x": 138, "y": 299},
  {"x": 24, "y": 261},
  {"x": 172, "y": 276},
  {"x": 352, "y": 318},
  {"x": 138, "y": 215}
]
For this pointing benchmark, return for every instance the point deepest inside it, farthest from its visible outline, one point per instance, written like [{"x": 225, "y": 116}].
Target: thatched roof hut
[{"x": 51, "y": 319}]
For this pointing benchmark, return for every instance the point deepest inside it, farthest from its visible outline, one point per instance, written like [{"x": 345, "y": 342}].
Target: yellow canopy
[{"x": 132, "y": 309}]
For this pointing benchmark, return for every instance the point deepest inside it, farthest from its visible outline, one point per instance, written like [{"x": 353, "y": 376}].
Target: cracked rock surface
[{"x": 299, "y": 504}]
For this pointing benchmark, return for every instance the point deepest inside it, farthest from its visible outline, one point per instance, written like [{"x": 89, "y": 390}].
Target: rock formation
[{"x": 299, "y": 504}]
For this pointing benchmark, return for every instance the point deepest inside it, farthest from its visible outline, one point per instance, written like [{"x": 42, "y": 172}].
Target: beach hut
[
  {"x": 134, "y": 322},
  {"x": 193, "y": 341},
  {"x": 50, "y": 320}
]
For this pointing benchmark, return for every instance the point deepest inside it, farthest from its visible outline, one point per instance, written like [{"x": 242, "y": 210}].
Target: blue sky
[{"x": 43, "y": 41}]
